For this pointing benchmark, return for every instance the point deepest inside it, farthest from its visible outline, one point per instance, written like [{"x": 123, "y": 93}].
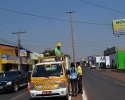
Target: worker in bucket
[{"x": 58, "y": 53}]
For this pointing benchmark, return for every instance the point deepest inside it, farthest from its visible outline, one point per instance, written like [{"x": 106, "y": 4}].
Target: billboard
[
  {"x": 35, "y": 56},
  {"x": 118, "y": 26},
  {"x": 100, "y": 59},
  {"x": 23, "y": 53},
  {"x": 89, "y": 58}
]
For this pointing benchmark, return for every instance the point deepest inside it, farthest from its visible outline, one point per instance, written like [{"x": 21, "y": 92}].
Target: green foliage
[{"x": 51, "y": 53}]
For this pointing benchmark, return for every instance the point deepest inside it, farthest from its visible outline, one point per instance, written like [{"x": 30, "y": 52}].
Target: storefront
[
  {"x": 6, "y": 60},
  {"x": 117, "y": 57},
  {"x": 9, "y": 61}
]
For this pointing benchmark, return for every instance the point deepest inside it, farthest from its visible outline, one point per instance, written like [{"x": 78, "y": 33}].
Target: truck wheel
[{"x": 15, "y": 88}]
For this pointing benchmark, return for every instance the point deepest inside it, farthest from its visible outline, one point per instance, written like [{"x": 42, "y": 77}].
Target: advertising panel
[
  {"x": 35, "y": 56},
  {"x": 118, "y": 26},
  {"x": 23, "y": 53},
  {"x": 90, "y": 58},
  {"x": 100, "y": 59},
  {"x": 13, "y": 59}
]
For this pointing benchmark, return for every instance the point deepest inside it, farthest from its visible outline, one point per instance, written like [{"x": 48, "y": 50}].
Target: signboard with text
[
  {"x": 23, "y": 53},
  {"x": 118, "y": 26}
]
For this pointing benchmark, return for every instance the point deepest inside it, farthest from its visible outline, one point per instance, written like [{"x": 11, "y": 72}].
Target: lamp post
[{"x": 70, "y": 12}]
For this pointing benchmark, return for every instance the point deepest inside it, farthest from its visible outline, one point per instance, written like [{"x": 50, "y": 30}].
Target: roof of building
[{"x": 11, "y": 47}]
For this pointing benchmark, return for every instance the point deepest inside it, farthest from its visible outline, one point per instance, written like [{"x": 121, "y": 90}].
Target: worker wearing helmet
[{"x": 58, "y": 52}]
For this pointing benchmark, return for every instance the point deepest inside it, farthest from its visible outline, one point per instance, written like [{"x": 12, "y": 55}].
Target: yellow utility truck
[{"x": 49, "y": 78}]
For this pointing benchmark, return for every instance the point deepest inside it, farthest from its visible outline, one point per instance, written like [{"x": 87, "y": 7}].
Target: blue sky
[{"x": 44, "y": 33}]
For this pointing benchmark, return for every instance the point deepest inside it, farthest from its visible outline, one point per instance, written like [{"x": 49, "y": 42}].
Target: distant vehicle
[
  {"x": 92, "y": 66},
  {"x": 12, "y": 80}
]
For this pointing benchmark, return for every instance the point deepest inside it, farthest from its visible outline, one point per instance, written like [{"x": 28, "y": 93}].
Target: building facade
[
  {"x": 9, "y": 58},
  {"x": 117, "y": 57}
]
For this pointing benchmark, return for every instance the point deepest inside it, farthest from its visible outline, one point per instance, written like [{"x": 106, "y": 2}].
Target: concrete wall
[{"x": 113, "y": 61}]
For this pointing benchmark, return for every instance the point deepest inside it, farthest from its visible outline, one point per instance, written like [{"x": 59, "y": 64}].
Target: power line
[
  {"x": 9, "y": 42},
  {"x": 52, "y": 18},
  {"x": 10, "y": 20},
  {"x": 90, "y": 3},
  {"x": 75, "y": 43},
  {"x": 83, "y": 46},
  {"x": 29, "y": 36}
]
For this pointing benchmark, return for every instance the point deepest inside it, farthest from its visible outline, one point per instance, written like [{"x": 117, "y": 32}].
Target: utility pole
[
  {"x": 19, "y": 64},
  {"x": 70, "y": 12}
]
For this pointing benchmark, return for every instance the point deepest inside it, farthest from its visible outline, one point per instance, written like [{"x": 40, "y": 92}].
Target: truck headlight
[
  {"x": 62, "y": 86},
  {"x": 9, "y": 83}
]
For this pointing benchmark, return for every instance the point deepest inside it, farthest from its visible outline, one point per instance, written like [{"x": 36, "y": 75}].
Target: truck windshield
[
  {"x": 10, "y": 74},
  {"x": 47, "y": 70}
]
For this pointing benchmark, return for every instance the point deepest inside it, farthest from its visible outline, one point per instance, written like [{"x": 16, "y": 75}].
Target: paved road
[
  {"x": 97, "y": 85},
  {"x": 100, "y": 86},
  {"x": 11, "y": 96}
]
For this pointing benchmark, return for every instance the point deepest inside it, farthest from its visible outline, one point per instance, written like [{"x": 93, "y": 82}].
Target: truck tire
[{"x": 15, "y": 88}]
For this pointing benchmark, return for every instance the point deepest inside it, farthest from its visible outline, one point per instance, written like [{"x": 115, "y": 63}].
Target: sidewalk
[{"x": 79, "y": 97}]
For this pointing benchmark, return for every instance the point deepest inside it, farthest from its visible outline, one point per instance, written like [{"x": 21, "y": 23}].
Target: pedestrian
[
  {"x": 73, "y": 79},
  {"x": 79, "y": 69},
  {"x": 58, "y": 53}
]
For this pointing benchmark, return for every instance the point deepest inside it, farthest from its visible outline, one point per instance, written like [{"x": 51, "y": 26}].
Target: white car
[{"x": 93, "y": 66}]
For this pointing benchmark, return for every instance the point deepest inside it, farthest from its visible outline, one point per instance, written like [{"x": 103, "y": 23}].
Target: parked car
[{"x": 13, "y": 80}]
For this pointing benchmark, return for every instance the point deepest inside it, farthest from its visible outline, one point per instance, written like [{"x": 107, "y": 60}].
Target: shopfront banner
[
  {"x": 35, "y": 56},
  {"x": 23, "y": 60},
  {"x": 23, "y": 53},
  {"x": 13, "y": 59}
]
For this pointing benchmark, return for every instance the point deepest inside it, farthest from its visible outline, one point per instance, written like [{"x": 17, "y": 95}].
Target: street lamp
[{"x": 70, "y": 12}]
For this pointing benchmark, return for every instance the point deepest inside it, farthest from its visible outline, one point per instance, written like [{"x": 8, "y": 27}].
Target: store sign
[
  {"x": 90, "y": 58},
  {"x": 35, "y": 56},
  {"x": 13, "y": 59},
  {"x": 24, "y": 60},
  {"x": 100, "y": 59},
  {"x": 5, "y": 56},
  {"x": 23, "y": 53}
]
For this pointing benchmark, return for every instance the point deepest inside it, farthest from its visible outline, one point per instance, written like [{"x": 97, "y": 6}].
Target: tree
[{"x": 50, "y": 52}]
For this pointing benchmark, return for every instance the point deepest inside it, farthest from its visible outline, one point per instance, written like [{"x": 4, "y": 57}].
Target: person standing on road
[
  {"x": 58, "y": 52},
  {"x": 79, "y": 69},
  {"x": 73, "y": 73}
]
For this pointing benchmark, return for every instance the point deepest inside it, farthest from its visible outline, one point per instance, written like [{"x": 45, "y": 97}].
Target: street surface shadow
[
  {"x": 10, "y": 92},
  {"x": 53, "y": 98}
]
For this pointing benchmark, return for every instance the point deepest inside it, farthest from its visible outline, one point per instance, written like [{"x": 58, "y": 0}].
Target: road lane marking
[
  {"x": 119, "y": 83},
  {"x": 84, "y": 97},
  {"x": 19, "y": 96},
  {"x": 103, "y": 77}
]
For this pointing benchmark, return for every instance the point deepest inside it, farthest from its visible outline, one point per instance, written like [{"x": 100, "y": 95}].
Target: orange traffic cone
[{"x": 28, "y": 87}]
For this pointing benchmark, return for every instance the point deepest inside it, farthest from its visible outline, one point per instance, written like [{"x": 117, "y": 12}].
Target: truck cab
[{"x": 49, "y": 79}]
